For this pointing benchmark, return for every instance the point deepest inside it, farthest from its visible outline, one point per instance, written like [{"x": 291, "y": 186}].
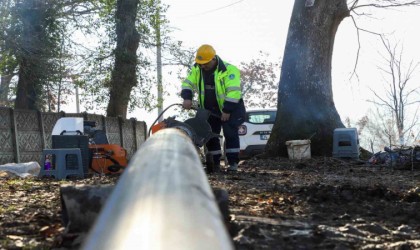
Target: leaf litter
[{"x": 320, "y": 203}]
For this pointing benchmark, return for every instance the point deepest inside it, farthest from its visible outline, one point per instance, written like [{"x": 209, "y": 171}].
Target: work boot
[
  {"x": 233, "y": 167},
  {"x": 216, "y": 168}
]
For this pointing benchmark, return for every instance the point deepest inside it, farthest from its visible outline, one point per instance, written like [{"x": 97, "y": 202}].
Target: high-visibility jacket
[{"x": 227, "y": 86}]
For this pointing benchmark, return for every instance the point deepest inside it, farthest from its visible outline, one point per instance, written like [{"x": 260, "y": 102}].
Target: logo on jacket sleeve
[{"x": 231, "y": 76}]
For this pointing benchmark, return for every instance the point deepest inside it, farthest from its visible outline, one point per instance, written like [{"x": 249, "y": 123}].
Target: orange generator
[
  {"x": 105, "y": 158},
  {"x": 108, "y": 158}
]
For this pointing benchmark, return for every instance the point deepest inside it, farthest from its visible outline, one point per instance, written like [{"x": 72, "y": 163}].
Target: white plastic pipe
[{"x": 162, "y": 201}]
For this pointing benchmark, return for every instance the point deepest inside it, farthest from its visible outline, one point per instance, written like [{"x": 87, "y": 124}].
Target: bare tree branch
[
  {"x": 397, "y": 95},
  {"x": 384, "y": 4}
]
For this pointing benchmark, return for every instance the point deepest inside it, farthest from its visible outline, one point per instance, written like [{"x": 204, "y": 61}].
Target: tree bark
[
  {"x": 26, "y": 95},
  {"x": 124, "y": 76},
  {"x": 305, "y": 100},
  {"x": 31, "y": 37},
  {"x": 36, "y": 50}
]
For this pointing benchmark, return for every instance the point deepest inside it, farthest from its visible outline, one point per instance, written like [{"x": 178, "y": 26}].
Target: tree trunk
[
  {"x": 124, "y": 76},
  {"x": 305, "y": 101},
  {"x": 35, "y": 52},
  {"x": 28, "y": 88}
]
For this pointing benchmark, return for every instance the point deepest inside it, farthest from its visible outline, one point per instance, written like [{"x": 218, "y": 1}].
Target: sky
[{"x": 239, "y": 29}]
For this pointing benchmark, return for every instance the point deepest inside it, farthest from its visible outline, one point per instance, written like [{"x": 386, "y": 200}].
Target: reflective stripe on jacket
[{"x": 227, "y": 85}]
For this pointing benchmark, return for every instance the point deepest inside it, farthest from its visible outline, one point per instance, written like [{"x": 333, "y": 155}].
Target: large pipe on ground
[{"x": 162, "y": 201}]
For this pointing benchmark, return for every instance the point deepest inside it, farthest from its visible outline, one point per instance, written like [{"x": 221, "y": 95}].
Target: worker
[{"x": 218, "y": 86}]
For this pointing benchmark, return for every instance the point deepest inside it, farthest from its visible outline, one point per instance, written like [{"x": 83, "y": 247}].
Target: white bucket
[{"x": 299, "y": 149}]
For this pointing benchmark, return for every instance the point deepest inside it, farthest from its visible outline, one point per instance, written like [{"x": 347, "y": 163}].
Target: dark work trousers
[{"x": 230, "y": 132}]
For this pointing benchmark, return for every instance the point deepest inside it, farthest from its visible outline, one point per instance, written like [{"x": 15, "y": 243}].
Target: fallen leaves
[
  {"x": 322, "y": 203},
  {"x": 30, "y": 212},
  {"x": 312, "y": 197},
  {"x": 51, "y": 230}
]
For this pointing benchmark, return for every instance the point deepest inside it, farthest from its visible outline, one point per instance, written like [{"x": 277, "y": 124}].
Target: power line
[{"x": 213, "y": 10}]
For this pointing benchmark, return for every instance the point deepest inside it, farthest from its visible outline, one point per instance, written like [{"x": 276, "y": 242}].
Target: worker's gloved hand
[
  {"x": 225, "y": 117},
  {"x": 187, "y": 104}
]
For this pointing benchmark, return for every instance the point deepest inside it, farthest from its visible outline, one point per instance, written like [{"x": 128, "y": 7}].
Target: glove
[{"x": 225, "y": 117}]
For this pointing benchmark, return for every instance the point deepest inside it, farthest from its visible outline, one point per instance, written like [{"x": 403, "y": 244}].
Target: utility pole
[
  {"x": 77, "y": 100},
  {"x": 76, "y": 88},
  {"x": 159, "y": 64}
]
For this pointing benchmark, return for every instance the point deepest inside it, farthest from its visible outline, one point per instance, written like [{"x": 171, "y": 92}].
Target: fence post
[
  {"x": 41, "y": 128},
  {"x": 145, "y": 130},
  {"x": 15, "y": 135},
  {"x": 133, "y": 124},
  {"x": 120, "y": 128},
  {"x": 163, "y": 200},
  {"x": 103, "y": 123}
]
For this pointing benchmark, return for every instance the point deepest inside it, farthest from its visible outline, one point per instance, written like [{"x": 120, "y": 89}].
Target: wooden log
[
  {"x": 81, "y": 204},
  {"x": 162, "y": 201}
]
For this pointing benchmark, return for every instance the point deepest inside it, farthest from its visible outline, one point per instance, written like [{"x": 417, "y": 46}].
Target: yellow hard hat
[{"x": 204, "y": 54}]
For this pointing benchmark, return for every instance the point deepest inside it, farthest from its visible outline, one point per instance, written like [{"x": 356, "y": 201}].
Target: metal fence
[{"x": 25, "y": 133}]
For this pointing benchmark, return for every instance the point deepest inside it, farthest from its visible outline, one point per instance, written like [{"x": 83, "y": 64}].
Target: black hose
[{"x": 177, "y": 104}]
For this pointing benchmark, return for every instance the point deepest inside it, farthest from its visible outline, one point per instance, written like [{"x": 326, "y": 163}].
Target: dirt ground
[{"x": 321, "y": 203}]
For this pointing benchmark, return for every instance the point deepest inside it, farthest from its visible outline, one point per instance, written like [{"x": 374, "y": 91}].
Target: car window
[{"x": 261, "y": 117}]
